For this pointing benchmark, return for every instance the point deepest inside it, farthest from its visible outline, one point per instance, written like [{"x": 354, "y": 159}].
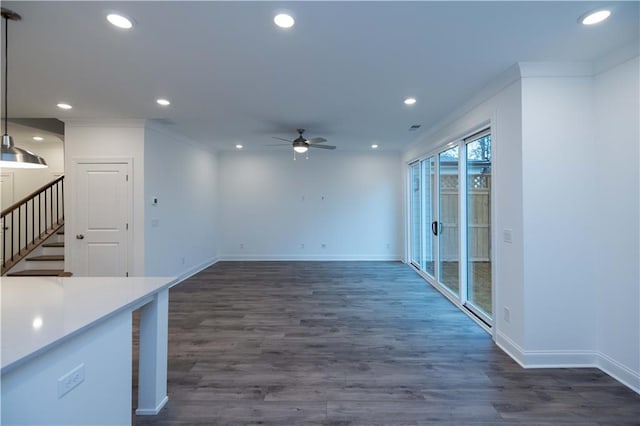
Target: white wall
[
  {"x": 502, "y": 110},
  {"x": 106, "y": 139},
  {"x": 560, "y": 217},
  {"x": 270, "y": 204},
  {"x": 180, "y": 231},
  {"x": 25, "y": 181},
  {"x": 617, "y": 270},
  {"x": 567, "y": 181}
]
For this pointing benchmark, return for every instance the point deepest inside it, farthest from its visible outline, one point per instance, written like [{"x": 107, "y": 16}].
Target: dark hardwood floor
[{"x": 355, "y": 343}]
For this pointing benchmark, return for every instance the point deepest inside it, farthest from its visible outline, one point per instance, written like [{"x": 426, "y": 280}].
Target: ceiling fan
[{"x": 302, "y": 144}]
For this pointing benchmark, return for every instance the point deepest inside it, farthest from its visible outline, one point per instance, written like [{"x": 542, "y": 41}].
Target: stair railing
[{"x": 29, "y": 222}]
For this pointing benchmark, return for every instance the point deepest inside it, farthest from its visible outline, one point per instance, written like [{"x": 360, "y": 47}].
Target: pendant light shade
[
  {"x": 18, "y": 158},
  {"x": 12, "y": 156}
]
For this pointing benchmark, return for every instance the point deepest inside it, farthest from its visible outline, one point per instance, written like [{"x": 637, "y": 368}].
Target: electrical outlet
[
  {"x": 302, "y": 246},
  {"x": 70, "y": 380},
  {"x": 241, "y": 245},
  {"x": 388, "y": 246},
  {"x": 507, "y": 235},
  {"x": 323, "y": 245},
  {"x": 507, "y": 315}
]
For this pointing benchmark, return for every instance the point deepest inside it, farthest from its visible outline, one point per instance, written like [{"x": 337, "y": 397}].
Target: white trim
[
  {"x": 152, "y": 411},
  {"x": 555, "y": 69},
  {"x": 194, "y": 270},
  {"x": 509, "y": 347},
  {"x": 569, "y": 359},
  {"x": 312, "y": 258},
  {"x": 615, "y": 58},
  {"x": 560, "y": 359},
  {"x": 497, "y": 85},
  {"x": 157, "y": 127},
  {"x": 114, "y": 122},
  {"x": 618, "y": 371}
]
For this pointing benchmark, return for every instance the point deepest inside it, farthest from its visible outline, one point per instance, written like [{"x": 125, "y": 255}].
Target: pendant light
[{"x": 12, "y": 156}]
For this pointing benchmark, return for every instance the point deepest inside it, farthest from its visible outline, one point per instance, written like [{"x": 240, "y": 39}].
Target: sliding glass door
[
  {"x": 447, "y": 225},
  {"x": 478, "y": 202},
  {"x": 416, "y": 214},
  {"x": 429, "y": 188},
  {"x": 450, "y": 221}
]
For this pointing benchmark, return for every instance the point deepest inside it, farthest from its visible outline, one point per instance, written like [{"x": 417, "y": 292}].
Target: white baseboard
[
  {"x": 194, "y": 270},
  {"x": 620, "y": 372},
  {"x": 309, "y": 258},
  {"x": 569, "y": 359},
  {"x": 510, "y": 347},
  {"x": 152, "y": 411}
]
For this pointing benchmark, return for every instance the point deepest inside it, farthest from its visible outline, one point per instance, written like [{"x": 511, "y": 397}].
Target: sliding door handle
[{"x": 434, "y": 228}]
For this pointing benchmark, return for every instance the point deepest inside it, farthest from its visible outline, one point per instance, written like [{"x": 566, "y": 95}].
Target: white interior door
[{"x": 101, "y": 217}]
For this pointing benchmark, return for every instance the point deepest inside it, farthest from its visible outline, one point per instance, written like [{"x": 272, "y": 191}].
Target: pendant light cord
[{"x": 6, "y": 71}]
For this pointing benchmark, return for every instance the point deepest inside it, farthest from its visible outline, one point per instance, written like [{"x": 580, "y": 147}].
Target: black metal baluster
[
  {"x": 39, "y": 216},
  {"x": 4, "y": 242},
  {"x": 45, "y": 211},
  {"x": 12, "y": 234},
  {"x": 62, "y": 186},
  {"x": 19, "y": 230},
  {"x": 51, "y": 205},
  {"x": 33, "y": 221},
  {"x": 57, "y": 204}
]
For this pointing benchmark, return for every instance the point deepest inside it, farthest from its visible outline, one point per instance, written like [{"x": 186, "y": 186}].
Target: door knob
[{"x": 80, "y": 237}]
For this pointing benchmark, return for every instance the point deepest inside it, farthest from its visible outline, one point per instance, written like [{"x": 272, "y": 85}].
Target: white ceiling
[{"x": 341, "y": 72}]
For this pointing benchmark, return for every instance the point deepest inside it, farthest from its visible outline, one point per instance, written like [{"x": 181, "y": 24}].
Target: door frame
[{"x": 71, "y": 205}]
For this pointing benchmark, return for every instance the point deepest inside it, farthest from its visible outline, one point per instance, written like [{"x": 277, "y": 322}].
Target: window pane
[
  {"x": 448, "y": 224},
  {"x": 479, "y": 224},
  {"x": 428, "y": 206},
  {"x": 415, "y": 214}
]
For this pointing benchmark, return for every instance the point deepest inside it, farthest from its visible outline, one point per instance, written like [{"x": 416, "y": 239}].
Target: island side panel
[
  {"x": 96, "y": 369},
  {"x": 152, "y": 366}
]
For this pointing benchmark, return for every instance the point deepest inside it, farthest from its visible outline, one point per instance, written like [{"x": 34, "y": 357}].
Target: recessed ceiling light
[
  {"x": 594, "y": 17},
  {"x": 163, "y": 102},
  {"x": 410, "y": 101},
  {"x": 119, "y": 21},
  {"x": 374, "y": 146},
  {"x": 239, "y": 146},
  {"x": 283, "y": 20},
  {"x": 64, "y": 106},
  {"x": 38, "y": 138}
]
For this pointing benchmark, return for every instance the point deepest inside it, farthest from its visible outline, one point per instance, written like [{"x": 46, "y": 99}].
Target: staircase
[
  {"x": 32, "y": 234},
  {"x": 46, "y": 260}
]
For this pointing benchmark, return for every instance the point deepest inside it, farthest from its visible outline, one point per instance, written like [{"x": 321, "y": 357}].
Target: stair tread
[
  {"x": 36, "y": 273},
  {"x": 58, "y": 244},
  {"x": 47, "y": 258}
]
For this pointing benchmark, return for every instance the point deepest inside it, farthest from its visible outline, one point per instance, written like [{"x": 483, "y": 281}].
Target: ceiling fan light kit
[{"x": 301, "y": 144}]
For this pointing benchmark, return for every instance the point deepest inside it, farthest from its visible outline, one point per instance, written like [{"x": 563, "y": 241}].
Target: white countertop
[{"x": 40, "y": 312}]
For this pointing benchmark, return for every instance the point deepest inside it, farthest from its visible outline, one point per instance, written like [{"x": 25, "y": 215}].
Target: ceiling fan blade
[
  {"x": 281, "y": 139},
  {"x": 323, "y": 146},
  {"x": 316, "y": 140}
]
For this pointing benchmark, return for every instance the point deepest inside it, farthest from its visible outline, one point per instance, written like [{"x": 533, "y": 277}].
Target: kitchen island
[{"x": 66, "y": 354}]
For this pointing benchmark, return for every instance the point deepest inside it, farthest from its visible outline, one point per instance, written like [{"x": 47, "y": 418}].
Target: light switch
[
  {"x": 507, "y": 235},
  {"x": 155, "y": 223}
]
